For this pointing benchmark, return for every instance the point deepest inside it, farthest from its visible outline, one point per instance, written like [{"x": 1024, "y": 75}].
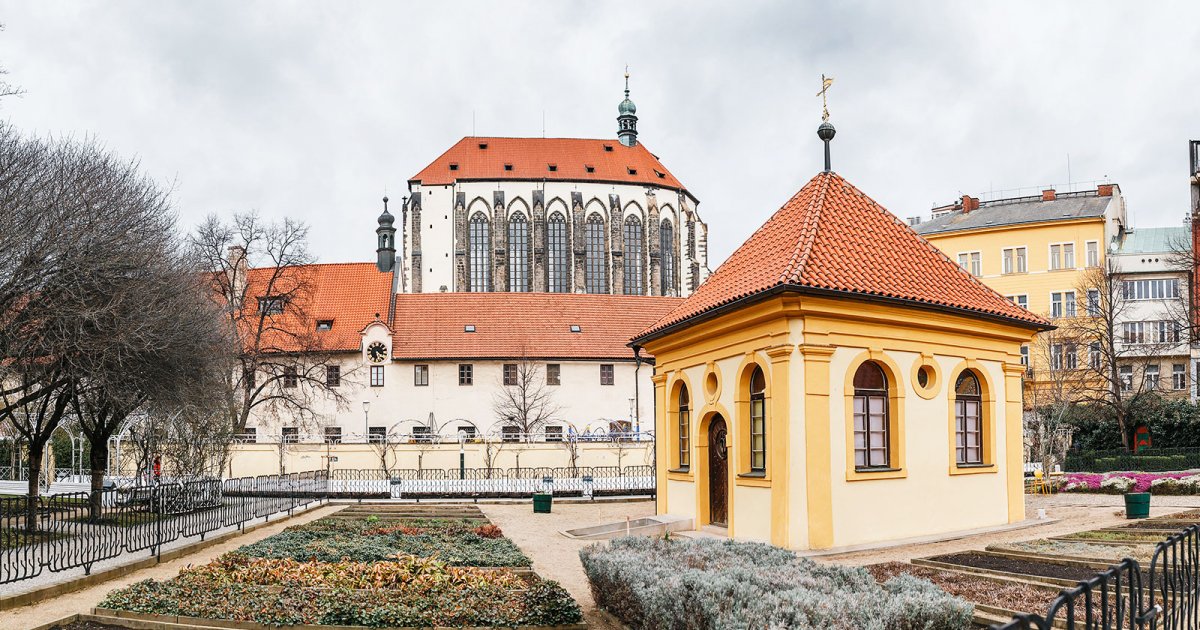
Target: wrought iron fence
[
  {"x": 79, "y": 529},
  {"x": 1122, "y": 597},
  {"x": 483, "y": 483}
]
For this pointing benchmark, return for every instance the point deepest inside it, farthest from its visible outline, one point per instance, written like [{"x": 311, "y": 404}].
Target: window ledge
[
  {"x": 865, "y": 474},
  {"x": 753, "y": 479},
  {"x": 972, "y": 469},
  {"x": 754, "y": 474},
  {"x": 683, "y": 470}
]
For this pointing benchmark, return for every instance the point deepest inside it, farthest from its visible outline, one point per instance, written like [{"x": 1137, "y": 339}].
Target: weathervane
[
  {"x": 626, "y": 80},
  {"x": 826, "y": 82}
]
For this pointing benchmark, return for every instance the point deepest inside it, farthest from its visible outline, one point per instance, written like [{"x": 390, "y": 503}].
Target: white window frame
[
  {"x": 1151, "y": 378},
  {"x": 968, "y": 260},
  {"x": 1014, "y": 259},
  {"x": 1125, "y": 374},
  {"x": 1060, "y": 261},
  {"x": 1056, "y": 299},
  {"x": 1021, "y": 299},
  {"x": 1070, "y": 304},
  {"x": 1178, "y": 376},
  {"x": 1092, "y": 308},
  {"x": 1094, "y": 355},
  {"x": 1089, "y": 248}
]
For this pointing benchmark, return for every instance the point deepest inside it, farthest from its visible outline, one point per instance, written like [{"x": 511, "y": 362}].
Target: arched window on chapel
[
  {"x": 968, "y": 420},
  {"x": 871, "y": 440},
  {"x": 758, "y": 421},
  {"x": 685, "y": 428}
]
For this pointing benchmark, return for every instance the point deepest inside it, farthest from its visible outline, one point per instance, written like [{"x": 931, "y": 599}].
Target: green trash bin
[
  {"x": 1137, "y": 505},
  {"x": 541, "y": 503}
]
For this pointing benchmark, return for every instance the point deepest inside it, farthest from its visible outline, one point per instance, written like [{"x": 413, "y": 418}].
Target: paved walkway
[{"x": 84, "y": 600}]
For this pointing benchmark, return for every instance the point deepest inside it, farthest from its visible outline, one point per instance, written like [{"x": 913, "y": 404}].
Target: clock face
[{"x": 377, "y": 352}]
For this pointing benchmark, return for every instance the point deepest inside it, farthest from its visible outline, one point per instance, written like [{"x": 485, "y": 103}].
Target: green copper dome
[{"x": 627, "y": 107}]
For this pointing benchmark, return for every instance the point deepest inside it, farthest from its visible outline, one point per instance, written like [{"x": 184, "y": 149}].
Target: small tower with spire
[
  {"x": 627, "y": 117},
  {"x": 385, "y": 253}
]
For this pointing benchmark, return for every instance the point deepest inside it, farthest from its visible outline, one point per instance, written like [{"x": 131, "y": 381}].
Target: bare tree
[
  {"x": 524, "y": 400},
  {"x": 1050, "y": 393},
  {"x": 492, "y": 447},
  {"x": 258, "y": 273},
  {"x": 6, "y": 88},
  {"x": 1118, "y": 345}
]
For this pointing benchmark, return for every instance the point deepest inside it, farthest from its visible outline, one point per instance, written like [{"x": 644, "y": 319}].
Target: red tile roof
[
  {"x": 349, "y": 294},
  {"x": 830, "y": 237},
  {"x": 531, "y": 159},
  {"x": 510, "y": 325}
]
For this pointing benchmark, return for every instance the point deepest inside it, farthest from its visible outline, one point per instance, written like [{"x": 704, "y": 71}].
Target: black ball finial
[{"x": 826, "y": 131}]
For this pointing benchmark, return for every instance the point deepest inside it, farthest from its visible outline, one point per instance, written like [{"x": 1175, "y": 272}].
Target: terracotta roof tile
[
  {"x": 832, "y": 237},
  {"x": 348, "y": 294},
  {"x": 535, "y": 325},
  {"x": 574, "y": 159}
]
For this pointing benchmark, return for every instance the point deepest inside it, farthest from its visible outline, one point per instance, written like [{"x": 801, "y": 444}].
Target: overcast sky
[{"x": 312, "y": 110}]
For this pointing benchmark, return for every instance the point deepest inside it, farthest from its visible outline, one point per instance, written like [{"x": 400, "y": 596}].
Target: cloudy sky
[{"x": 312, "y": 109}]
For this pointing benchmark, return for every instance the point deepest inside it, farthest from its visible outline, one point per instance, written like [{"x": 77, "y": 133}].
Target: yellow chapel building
[{"x": 839, "y": 381}]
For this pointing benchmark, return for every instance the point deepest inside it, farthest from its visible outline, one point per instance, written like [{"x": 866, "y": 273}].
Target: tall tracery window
[
  {"x": 518, "y": 253},
  {"x": 559, "y": 267},
  {"x": 596, "y": 260},
  {"x": 666, "y": 234},
  {"x": 685, "y": 428},
  {"x": 968, "y": 420},
  {"x": 758, "y": 421},
  {"x": 871, "y": 448},
  {"x": 479, "y": 263},
  {"x": 634, "y": 239}
]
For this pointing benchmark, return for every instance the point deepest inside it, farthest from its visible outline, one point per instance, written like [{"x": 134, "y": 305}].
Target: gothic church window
[
  {"x": 667, "y": 247},
  {"x": 558, "y": 269},
  {"x": 596, "y": 260},
  {"x": 633, "y": 256},
  {"x": 479, "y": 260},
  {"x": 518, "y": 253}
]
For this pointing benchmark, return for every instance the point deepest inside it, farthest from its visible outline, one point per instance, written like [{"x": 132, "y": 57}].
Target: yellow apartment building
[{"x": 1032, "y": 250}]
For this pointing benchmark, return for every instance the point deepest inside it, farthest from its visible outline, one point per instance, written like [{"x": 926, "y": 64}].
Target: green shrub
[{"x": 694, "y": 584}]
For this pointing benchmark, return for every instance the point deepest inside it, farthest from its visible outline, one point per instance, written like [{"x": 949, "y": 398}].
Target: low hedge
[{"x": 693, "y": 584}]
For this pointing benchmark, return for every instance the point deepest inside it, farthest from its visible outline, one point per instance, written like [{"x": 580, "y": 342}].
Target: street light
[
  {"x": 462, "y": 455},
  {"x": 366, "y": 421},
  {"x": 634, "y": 421}
]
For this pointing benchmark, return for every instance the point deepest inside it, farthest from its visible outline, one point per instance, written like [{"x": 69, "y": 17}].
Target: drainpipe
[{"x": 637, "y": 389}]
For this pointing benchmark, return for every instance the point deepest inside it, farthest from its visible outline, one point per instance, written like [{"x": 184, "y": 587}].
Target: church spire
[
  {"x": 385, "y": 253},
  {"x": 627, "y": 117}
]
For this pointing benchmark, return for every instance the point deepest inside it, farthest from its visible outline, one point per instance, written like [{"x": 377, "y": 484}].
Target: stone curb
[{"x": 54, "y": 590}]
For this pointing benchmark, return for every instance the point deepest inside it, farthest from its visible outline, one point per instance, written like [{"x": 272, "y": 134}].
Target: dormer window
[
  {"x": 589, "y": 168},
  {"x": 608, "y": 148},
  {"x": 324, "y": 325},
  {"x": 660, "y": 174},
  {"x": 454, "y": 166},
  {"x": 553, "y": 168},
  {"x": 632, "y": 171},
  {"x": 575, "y": 328},
  {"x": 508, "y": 167},
  {"x": 482, "y": 146},
  {"x": 469, "y": 328},
  {"x": 271, "y": 305}
]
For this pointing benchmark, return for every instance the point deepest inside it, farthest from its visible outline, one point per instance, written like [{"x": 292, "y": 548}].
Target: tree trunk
[
  {"x": 36, "y": 451},
  {"x": 99, "y": 464}
]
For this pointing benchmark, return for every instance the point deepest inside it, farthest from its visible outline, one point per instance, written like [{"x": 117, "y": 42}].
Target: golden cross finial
[{"x": 825, "y": 83}]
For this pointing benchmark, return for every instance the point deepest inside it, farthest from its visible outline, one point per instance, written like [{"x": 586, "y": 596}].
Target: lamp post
[
  {"x": 462, "y": 454},
  {"x": 634, "y": 421},
  {"x": 366, "y": 421}
]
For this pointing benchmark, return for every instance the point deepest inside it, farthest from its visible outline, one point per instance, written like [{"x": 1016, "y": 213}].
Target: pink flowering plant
[{"x": 1123, "y": 482}]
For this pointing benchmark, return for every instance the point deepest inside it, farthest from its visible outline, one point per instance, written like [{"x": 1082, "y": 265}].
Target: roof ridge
[{"x": 795, "y": 267}]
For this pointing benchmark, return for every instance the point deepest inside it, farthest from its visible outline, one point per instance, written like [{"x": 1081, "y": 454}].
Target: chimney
[
  {"x": 969, "y": 203},
  {"x": 1049, "y": 195},
  {"x": 1104, "y": 190}
]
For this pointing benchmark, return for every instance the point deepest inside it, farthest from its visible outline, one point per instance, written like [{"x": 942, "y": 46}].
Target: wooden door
[{"x": 718, "y": 473}]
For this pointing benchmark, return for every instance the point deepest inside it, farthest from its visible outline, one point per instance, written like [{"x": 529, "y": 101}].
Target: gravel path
[
  {"x": 84, "y": 600},
  {"x": 556, "y": 557}
]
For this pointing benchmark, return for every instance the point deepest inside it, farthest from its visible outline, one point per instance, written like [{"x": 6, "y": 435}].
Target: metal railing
[
  {"x": 1122, "y": 597},
  {"x": 482, "y": 483},
  {"x": 67, "y": 531}
]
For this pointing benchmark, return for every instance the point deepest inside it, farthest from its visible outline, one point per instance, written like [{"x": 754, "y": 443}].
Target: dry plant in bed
[
  {"x": 1080, "y": 550},
  {"x": 1021, "y": 566},
  {"x": 1167, "y": 526},
  {"x": 1132, "y": 537},
  {"x": 402, "y": 572},
  {"x": 1008, "y": 595}
]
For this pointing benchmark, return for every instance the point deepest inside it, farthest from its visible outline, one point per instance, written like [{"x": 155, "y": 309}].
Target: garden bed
[
  {"x": 1078, "y": 550},
  {"x": 701, "y": 583},
  {"x": 1168, "y": 527},
  {"x": 999, "y": 595},
  {"x": 1005, "y": 564},
  {"x": 458, "y": 542},
  {"x": 357, "y": 573},
  {"x": 1108, "y": 536}
]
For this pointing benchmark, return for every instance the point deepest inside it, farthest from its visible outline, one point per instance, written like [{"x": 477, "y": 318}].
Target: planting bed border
[
  {"x": 1106, "y": 562},
  {"x": 149, "y": 621},
  {"x": 993, "y": 613}
]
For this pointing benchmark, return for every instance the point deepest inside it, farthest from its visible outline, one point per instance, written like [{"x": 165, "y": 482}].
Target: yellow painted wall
[
  {"x": 808, "y": 497},
  {"x": 1039, "y": 281}
]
